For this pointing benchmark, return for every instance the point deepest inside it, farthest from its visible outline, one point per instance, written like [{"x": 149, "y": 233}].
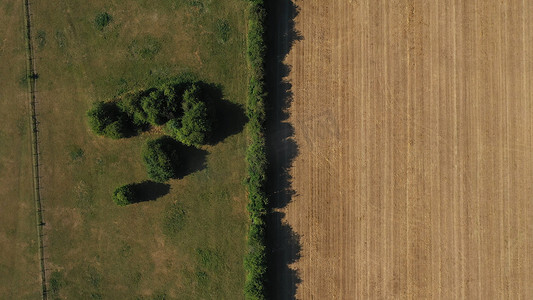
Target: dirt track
[{"x": 414, "y": 177}]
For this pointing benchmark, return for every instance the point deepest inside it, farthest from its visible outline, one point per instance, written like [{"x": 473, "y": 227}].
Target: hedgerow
[{"x": 255, "y": 261}]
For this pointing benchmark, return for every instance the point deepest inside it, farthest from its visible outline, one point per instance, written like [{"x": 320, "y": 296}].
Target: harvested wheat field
[{"x": 414, "y": 172}]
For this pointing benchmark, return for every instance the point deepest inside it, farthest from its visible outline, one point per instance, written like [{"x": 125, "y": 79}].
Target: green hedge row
[{"x": 255, "y": 262}]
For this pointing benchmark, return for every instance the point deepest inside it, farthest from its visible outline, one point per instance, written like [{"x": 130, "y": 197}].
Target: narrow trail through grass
[{"x": 32, "y": 76}]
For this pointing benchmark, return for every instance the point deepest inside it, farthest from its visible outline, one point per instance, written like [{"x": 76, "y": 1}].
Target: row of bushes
[
  {"x": 255, "y": 262},
  {"x": 184, "y": 106}
]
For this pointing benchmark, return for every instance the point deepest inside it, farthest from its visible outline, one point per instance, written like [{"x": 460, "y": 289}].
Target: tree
[
  {"x": 195, "y": 125},
  {"x": 124, "y": 195},
  {"x": 105, "y": 118},
  {"x": 161, "y": 159}
]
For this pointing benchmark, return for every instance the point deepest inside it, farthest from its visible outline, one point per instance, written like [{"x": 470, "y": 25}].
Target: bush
[
  {"x": 102, "y": 20},
  {"x": 106, "y": 118},
  {"x": 161, "y": 159},
  {"x": 124, "y": 195},
  {"x": 56, "y": 283}
]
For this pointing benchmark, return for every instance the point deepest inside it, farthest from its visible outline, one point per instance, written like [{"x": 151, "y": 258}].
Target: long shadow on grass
[
  {"x": 283, "y": 242},
  {"x": 229, "y": 120},
  {"x": 149, "y": 190},
  {"x": 192, "y": 160},
  {"x": 188, "y": 159},
  {"x": 229, "y": 117}
]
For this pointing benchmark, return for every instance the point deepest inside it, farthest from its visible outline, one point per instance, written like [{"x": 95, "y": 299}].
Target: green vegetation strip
[
  {"x": 255, "y": 262},
  {"x": 31, "y": 76}
]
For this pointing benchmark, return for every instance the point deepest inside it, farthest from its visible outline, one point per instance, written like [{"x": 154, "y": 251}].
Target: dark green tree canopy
[
  {"x": 185, "y": 104},
  {"x": 161, "y": 159},
  {"x": 194, "y": 128}
]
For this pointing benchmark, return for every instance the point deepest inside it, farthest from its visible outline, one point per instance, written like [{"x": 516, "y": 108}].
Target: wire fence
[{"x": 32, "y": 76}]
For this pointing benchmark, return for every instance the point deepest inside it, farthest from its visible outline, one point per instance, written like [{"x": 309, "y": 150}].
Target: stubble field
[{"x": 414, "y": 173}]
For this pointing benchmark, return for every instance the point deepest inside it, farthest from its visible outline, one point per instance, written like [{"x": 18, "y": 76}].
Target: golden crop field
[{"x": 413, "y": 176}]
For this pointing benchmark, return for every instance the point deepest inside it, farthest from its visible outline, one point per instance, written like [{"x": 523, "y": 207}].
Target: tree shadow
[
  {"x": 283, "y": 242},
  {"x": 191, "y": 158},
  {"x": 284, "y": 250},
  {"x": 150, "y": 190},
  {"x": 228, "y": 117},
  {"x": 185, "y": 159},
  {"x": 229, "y": 120}
]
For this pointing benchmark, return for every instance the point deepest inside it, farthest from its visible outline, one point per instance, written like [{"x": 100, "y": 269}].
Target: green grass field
[
  {"x": 19, "y": 266},
  {"x": 187, "y": 244}
]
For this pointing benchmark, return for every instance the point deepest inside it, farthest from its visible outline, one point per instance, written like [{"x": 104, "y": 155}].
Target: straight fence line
[{"x": 31, "y": 77}]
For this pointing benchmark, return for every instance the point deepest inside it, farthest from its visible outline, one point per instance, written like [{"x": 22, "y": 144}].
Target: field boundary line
[{"x": 31, "y": 76}]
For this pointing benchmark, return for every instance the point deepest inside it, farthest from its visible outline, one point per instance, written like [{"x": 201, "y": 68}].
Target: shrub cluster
[
  {"x": 184, "y": 105},
  {"x": 255, "y": 261}
]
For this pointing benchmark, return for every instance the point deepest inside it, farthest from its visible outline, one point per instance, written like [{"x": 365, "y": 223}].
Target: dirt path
[{"x": 414, "y": 171}]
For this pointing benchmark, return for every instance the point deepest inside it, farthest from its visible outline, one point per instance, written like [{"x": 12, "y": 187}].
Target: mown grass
[
  {"x": 148, "y": 250},
  {"x": 19, "y": 265}
]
